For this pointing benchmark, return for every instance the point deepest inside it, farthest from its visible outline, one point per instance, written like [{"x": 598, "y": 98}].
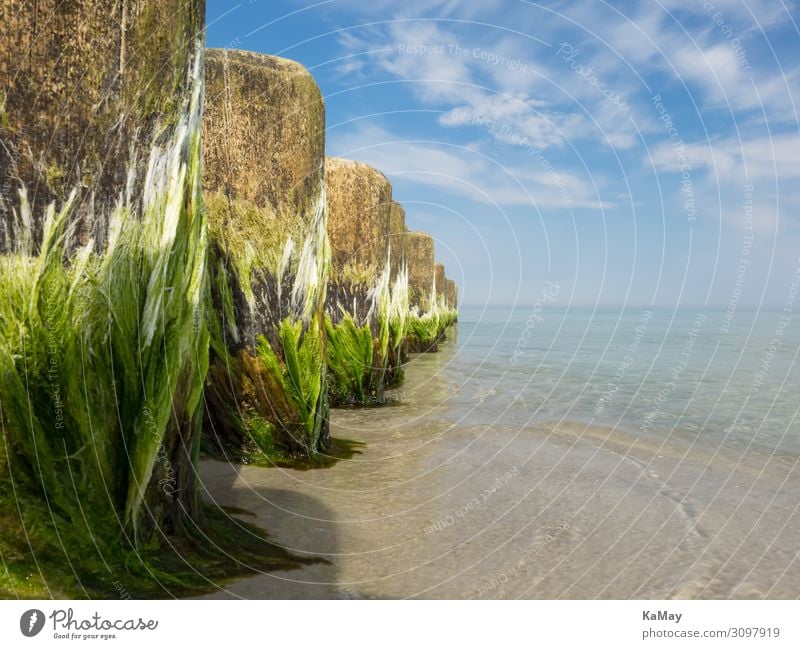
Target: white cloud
[
  {"x": 760, "y": 158},
  {"x": 770, "y": 164},
  {"x": 463, "y": 172},
  {"x": 465, "y": 80},
  {"x": 718, "y": 69},
  {"x": 419, "y": 8},
  {"x": 742, "y": 16}
]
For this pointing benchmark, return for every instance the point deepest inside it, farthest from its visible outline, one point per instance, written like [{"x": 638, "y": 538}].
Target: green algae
[
  {"x": 252, "y": 237},
  {"x": 351, "y": 376},
  {"x": 301, "y": 377},
  {"x": 269, "y": 451},
  {"x": 267, "y": 393},
  {"x": 103, "y": 356},
  {"x": 426, "y": 330},
  {"x": 364, "y": 359},
  {"x": 278, "y": 407},
  {"x": 49, "y": 558}
]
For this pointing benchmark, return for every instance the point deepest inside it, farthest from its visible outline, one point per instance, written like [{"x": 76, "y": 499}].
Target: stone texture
[
  {"x": 439, "y": 277},
  {"x": 359, "y": 215},
  {"x": 451, "y": 294},
  {"x": 397, "y": 236},
  {"x": 419, "y": 254},
  {"x": 84, "y": 88},
  {"x": 264, "y": 127}
]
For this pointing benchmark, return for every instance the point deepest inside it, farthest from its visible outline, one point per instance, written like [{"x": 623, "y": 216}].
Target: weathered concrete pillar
[
  {"x": 432, "y": 314},
  {"x": 100, "y": 109},
  {"x": 399, "y": 310},
  {"x": 84, "y": 86},
  {"x": 419, "y": 255},
  {"x": 359, "y": 212},
  {"x": 264, "y": 130},
  {"x": 397, "y": 237},
  {"x": 439, "y": 281},
  {"x": 360, "y": 221},
  {"x": 451, "y": 294}
]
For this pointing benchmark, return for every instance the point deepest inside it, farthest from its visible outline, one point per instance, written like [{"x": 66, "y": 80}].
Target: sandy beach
[{"x": 437, "y": 508}]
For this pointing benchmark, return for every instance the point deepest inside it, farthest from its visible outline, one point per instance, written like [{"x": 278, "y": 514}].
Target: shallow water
[
  {"x": 724, "y": 383},
  {"x": 496, "y": 474}
]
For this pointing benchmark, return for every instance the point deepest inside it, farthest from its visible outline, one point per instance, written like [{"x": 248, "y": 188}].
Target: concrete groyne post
[
  {"x": 264, "y": 130},
  {"x": 451, "y": 294},
  {"x": 101, "y": 226},
  {"x": 84, "y": 94},
  {"x": 359, "y": 307},
  {"x": 399, "y": 285},
  {"x": 397, "y": 237},
  {"x": 439, "y": 282},
  {"x": 421, "y": 273},
  {"x": 420, "y": 258}
]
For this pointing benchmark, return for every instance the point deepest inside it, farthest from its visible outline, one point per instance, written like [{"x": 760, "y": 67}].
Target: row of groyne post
[{"x": 184, "y": 272}]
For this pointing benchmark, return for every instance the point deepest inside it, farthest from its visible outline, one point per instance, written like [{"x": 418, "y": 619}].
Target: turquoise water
[{"x": 701, "y": 376}]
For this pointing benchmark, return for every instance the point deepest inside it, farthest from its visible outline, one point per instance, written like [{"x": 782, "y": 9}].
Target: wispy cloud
[
  {"x": 774, "y": 157},
  {"x": 444, "y": 72},
  {"x": 714, "y": 59},
  {"x": 464, "y": 172},
  {"x": 747, "y": 16}
]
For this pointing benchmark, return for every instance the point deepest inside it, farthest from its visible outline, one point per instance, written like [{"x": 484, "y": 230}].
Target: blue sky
[{"x": 642, "y": 153}]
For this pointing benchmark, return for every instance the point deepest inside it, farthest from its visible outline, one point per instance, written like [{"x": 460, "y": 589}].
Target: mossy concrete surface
[
  {"x": 359, "y": 213},
  {"x": 360, "y": 210},
  {"x": 397, "y": 237},
  {"x": 264, "y": 136},
  {"x": 451, "y": 294},
  {"x": 420, "y": 259},
  {"x": 432, "y": 310},
  {"x": 439, "y": 278},
  {"x": 86, "y": 88}
]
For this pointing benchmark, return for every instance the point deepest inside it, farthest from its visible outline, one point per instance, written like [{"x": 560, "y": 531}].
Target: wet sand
[{"x": 437, "y": 508}]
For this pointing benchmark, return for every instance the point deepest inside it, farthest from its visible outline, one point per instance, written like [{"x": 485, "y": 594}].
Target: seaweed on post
[
  {"x": 103, "y": 353},
  {"x": 422, "y": 321},
  {"x": 362, "y": 292},
  {"x": 103, "y": 330},
  {"x": 426, "y": 328},
  {"x": 432, "y": 314},
  {"x": 266, "y": 393},
  {"x": 363, "y": 356},
  {"x": 451, "y": 294},
  {"x": 399, "y": 307}
]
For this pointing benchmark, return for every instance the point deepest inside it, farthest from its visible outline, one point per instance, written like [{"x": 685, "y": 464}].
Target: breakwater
[{"x": 183, "y": 272}]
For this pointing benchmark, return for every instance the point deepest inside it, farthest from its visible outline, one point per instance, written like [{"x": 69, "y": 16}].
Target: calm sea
[{"x": 700, "y": 376}]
